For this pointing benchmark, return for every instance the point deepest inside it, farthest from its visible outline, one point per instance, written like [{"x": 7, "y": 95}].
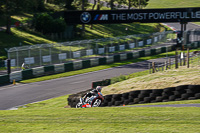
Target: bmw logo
[{"x": 85, "y": 17}]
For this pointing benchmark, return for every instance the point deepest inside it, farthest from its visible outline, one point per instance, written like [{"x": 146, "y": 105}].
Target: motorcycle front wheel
[
  {"x": 97, "y": 103},
  {"x": 79, "y": 105}
]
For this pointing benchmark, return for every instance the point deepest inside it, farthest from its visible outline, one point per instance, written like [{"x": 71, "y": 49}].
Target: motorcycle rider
[{"x": 93, "y": 94}]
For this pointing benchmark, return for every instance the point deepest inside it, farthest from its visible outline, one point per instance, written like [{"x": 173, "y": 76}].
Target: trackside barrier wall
[
  {"x": 76, "y": 65},
  {"x": 4, "y": 79},
  {"x": 59, "y": 68},
  {"x": 38, "y": 71},
  {"x": 27, "y": 74},
  {"x": 17, "y": 76},
  {"x": 183, "y": 92},
  {"x": 94, "y": 62}
]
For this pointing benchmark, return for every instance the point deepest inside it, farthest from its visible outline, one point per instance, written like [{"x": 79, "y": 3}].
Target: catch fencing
[{"x": 48, "y": 54}]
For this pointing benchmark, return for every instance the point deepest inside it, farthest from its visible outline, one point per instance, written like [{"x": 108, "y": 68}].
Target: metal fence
[
  {"x": 170, "y": 63},
  {"x": 47, "y": 54},
  {"x": 190, "y": 36}
]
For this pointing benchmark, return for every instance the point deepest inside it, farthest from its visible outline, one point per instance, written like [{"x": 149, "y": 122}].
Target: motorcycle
[{"x": 90, "y": 101}]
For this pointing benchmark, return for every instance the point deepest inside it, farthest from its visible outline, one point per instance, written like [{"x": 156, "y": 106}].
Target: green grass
[
  {"x": 50, "y": 116},
  {"x": 173, "y": 3}
]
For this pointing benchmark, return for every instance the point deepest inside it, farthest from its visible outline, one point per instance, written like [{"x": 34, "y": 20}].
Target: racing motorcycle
[{"x": 93, "y": 101}]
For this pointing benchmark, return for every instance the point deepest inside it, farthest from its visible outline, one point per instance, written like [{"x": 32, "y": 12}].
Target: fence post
[
  {"x": 166, "y": 65},
  {"x": 188, "y": 59},
  {"x": 153, "y": 67},
  {"x": 169, "y": 63},
  {"x": 176, "y": 59},
  {"x": 184, "y": 60},
  {"x": 8, "y": 66}
]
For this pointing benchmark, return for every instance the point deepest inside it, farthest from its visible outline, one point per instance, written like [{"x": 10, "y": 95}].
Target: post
[
  {"x": 8, "y": 66},
  {"x": 153, "y": 67},
  {"x": 184, "y": 61},
  {"x": 176, "y": 59},
  {"x": 166, "y": 66},
  {"x": 169, "y": 63},
  {"x": 188, "y": 58}
]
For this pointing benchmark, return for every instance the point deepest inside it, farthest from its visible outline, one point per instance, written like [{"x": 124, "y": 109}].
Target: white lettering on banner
[
  {"x": 77, "y": 54},
  {"x": 104, "y": 17},
  {"x": 29, "y": 60},
  {"x": 46, "y": 58},
  {"x": 155, "y": 16},
  {"x": 62, "y": 56},
  {"x": 89, "y": 52}
]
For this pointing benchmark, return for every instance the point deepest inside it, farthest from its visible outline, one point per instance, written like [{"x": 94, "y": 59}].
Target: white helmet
[{"x": 98, "y": 88}]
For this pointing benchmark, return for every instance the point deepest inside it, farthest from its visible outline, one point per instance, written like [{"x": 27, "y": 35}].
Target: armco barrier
[
  {"x": 153, "y": 51},
  {"x": 141, "y": 53},
  {"x": 94, "y": 62},
  {"x": 158, "y": 50},
  {"x": 4, "y": 79},
  {"x": 86, "y": 64},
  {"x": 116, "y": 58},
  {"x": 163, "y": 49},
  {"x": 38, "y": 71},
  {"x": 147, "y": 52},
  {"x": 59, "y": 68},
  {"x": 17, "y": 76},
  {"x": 27, "y": 74},
  {"x": 123, "y": 57},
  {"x": 105, "y": 82},
  {"x": 77, "y": 65},
  {"x": 109, "y": 59},
  {"x": 49, "y": 69},
  {"x": 102, "y": 61},
  {"x": 183, "y": 92},
  {"x": 69, "y": 67},
  {"x": 129, "y": 56}
]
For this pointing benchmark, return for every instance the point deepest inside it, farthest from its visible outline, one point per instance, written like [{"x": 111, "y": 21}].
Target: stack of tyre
[{"x": 183, "y": 92}]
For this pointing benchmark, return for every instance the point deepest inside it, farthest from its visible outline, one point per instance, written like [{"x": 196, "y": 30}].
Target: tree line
[{"x": 9, "y": 8}]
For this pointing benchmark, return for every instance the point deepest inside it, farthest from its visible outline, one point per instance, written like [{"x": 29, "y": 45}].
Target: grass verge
[
  {"x": 50, "y": 116},
  {"x": 172, "y": 3}
]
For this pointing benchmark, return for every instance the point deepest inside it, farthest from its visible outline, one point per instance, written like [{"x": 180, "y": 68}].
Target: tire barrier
[
  {"x": 105, "y": 82},
  {"x": 183, "y": 92}
]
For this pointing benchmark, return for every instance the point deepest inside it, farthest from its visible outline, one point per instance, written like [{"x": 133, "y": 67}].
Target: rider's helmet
[{"x": 98, "y": 88}]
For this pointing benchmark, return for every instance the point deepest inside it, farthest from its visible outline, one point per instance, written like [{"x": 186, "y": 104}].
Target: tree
[
  {"x": 13, "y": 7},
  {"x": 137, "y": 3}
]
